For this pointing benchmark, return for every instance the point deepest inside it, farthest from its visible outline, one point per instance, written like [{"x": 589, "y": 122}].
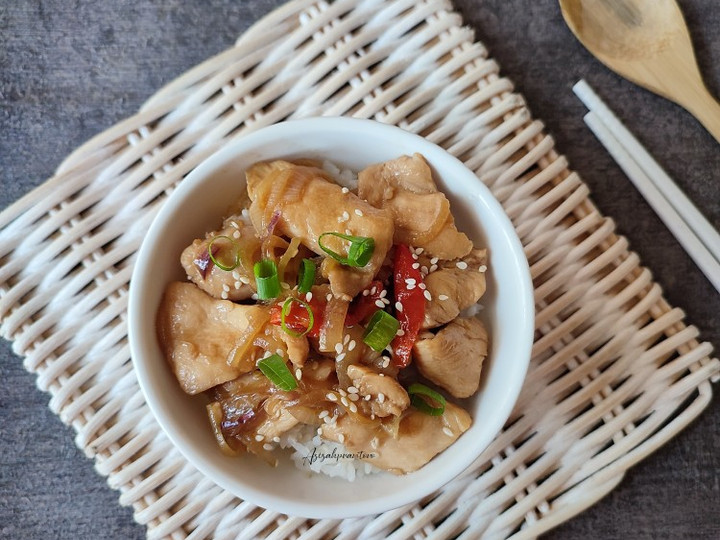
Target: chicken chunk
[
  {"x": 303, "y": 202},
  {"x": 388, "y": 397},
  {"x": 278, "y": 421},
  {"x": 298, "y": 347},
  {"x": 455, "y": 286},
  {"x": 199, "y": 335},
  {"x": 420, "y": 437},
  {"x": 453, "y": 358},
  {"x": 406, "y": 188},
  {"x": 228, "y": 285}
]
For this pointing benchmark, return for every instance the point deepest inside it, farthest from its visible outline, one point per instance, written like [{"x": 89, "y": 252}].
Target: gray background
[{"x": 69, "y": 70}]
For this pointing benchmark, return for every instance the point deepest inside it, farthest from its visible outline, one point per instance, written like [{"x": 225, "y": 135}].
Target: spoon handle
[{"x": 707, "y": 110}]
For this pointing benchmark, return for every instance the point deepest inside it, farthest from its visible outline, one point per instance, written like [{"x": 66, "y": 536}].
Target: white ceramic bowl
[{"x": 198, "y": 205}]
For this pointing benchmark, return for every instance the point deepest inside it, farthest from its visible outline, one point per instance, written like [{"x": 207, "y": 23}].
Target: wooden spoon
[{"x": 647, "y": 42}]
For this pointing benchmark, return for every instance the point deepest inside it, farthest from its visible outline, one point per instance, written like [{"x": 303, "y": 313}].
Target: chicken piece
[
  {"x": 453, "y": 288},
  {"x": 453, "y": 358},
  {"x": 303, "y": 202},
  {"x": 421, "y": 213},
  {"x": 278, "y": 421},
  {"x": 420, "y": 437},
  {"x": 388, "y": 397},
  {"x": 297, "y": 347},
  {"x": 200, "y": 334},
  {"x": 225, "y": 284}
]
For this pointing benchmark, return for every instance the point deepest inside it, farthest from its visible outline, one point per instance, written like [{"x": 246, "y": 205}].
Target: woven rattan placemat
[{"x": 615, "y": 371}]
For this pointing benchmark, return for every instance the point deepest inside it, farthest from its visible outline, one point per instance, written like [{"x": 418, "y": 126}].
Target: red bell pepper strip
[
  {"x": 362, "y": 307},
  {"x": 407, "y": 281},
  {"x": 298, "y": 319}
]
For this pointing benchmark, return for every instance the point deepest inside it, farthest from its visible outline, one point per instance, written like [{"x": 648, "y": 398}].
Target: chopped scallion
[
  {"x": 418, "y": 394},
  {"x": 267, "y": 280},
  {"x": 380, "y": 330},
  {"x": 275, "y": 369},
  {"x": 359, "y": 252},
  {"x": 224, "y": 252},
  {"x": 306, "y": 276},
  {"x": 287, "y": 306}
]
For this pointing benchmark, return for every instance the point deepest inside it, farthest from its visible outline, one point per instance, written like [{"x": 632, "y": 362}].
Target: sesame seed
[
  {"x": 383, "y": 293},
  {"x": 298, "y": 374},
  {"x": 411, "y": 281},
  {"x": 344, "y": 401},
  {"x": 338, "y": 348},
  {"x": 226, "y": 287},
  {"x": 353, "y": 407},
  {"x": 380, "y": 303},
  {"x": 424, "y": 270},
  {"x": 340, "y": 357},
  {"x": 353, "y": 397},
  {"x": 443, "y": 297},
  {"x": 331, "y": 397},
  {"x": 280, "y": 352},
  {"x": 400, "y": 332},
  {"x": 410, "y": 286},
  {"x": 351, "y": 345},
  {"x": 381, "y": 397},
  {"x": 374, "y": 443},
  {"x": 433, "y": 267},
  {"x": 358, "y": 212},
  {"x": 367, "y": 398},
  {"x": 348, "y": 232},
  {"x": 259, "y": 438},
  {"x": 285, "y": 286},
  {"x": 372, "y": 416},
  {"x": 415, "y": 257},
  {"x": 237, "y": 284},
  {"x": 244, "y": 280},
  {"x": 398, "y": 306},
  {"x": 345, "y": 190},
  {"x": 345, "y": 216},
  {"x": 234, "y": 224},
  {"x": 327, "y": 420},
  {"x": 323, "y": 414},
  {"x": 427, "y": 295},
  {"x": 276, "y": 439},
  {"x": 373, "y": 290},
  {"x": 365, "y": 292},
  {"x": 342, "y": 392},
  {"x": 341, "y": 438},
  {"x": 224, "y": 295},
  {"x": 419, "y": 250},
  {"x": 267, "y": 354},
  {"x": 235, "y": 274},
  {"x": 434, "y": 260},
  {"x": 462, "y": 265},
  {"x": 352, "y": 390},
  {"x": 328, "y": 296},
  {"x": 308, "y": 296},
  {"x": 448, "y": 432},
  {"x": 422, "y": 286},
  {"x": 319, "y": 431},
  {"x": 346, "y": 339},
  {"x": 268, "y": 447},
  {"x": 381, "y": 374},
  {"x": 415, "y": 266},
  {"x": 386, "y": 363},
  {"x": 482, "y": 268}
]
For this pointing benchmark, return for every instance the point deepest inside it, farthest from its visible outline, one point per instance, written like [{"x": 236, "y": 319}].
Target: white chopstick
[{"x": 700, "y": 240}]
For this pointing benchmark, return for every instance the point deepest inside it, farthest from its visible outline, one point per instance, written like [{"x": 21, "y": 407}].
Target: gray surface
[{"x": 68, "y": 72}]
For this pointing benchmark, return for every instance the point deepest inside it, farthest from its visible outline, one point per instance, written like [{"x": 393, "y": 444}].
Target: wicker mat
[{"x": 615, "y": 372}]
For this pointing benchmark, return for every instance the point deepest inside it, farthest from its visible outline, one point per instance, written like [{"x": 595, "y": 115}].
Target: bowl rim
[{"x": 524, "y": 329}]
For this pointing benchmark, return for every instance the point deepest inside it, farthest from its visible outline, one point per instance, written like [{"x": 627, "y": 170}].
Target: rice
[
  {"x": 344, "y": 177},
  {"x": 314, "y": 454}
]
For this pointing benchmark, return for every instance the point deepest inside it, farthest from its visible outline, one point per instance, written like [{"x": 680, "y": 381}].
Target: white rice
[
  {"x": 314, "y": 454},
  {"x": 344, "y": 177}
]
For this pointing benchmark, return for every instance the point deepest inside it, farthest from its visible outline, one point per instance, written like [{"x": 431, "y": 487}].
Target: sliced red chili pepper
[
  {"x": 297, "y": 318},
  {"x": 362, "y": 307},
  {"x": 410, "y": 295}
]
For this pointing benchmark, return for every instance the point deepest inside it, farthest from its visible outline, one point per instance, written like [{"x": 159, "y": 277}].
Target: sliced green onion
[
  {"x": 306, "y": 276},
  {"x": 359, "y": 253},
  {"x": 222, "y": 261},
  {"x": 418, "y": 394},
  {"x": 380, "y": 330},
  {"x": 275, "y": 369},
  {"x": 267, "y": 280},
  {"x": 287, "y": 306}
]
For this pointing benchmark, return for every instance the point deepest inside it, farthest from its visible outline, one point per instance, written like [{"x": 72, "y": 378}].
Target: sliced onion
[
  {"x": 290, "y": 252},
  {"x": 333, "y": 326},
  {"x": 215, "y": 413},
  {"x": 239, "y": 354}
]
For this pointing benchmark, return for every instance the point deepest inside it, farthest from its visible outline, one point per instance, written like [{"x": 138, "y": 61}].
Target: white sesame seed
[
  {"x": 328, "y": 296},
  {"x": 415, "y": 266},
  {"x": 383, "y": 293},
  {"x": 428, "y": 295},
  {"x": 319, "y": 431},
  {"x": 279, "y": 352},
  {"x": 448, "y": 432},
  {"x": 345, "y": 216},
  {"x": 331, "y": 397},
  {"x": 341, "y": 438},
  {"x": 398, "y": 306},
  {"x": 353, "y": 407},
  {"x": 482, "y": 268},
  {"x": 415, "y": 257},
  {"x": 400, "y": 332},
  {"x": 424, "y": 270},
  {"x": 340, "y": 357},
  {"x": 380, "y": 303},
  {"x": 422, "y": 286},
  {"x": 308, "y": 296},
  {"x": 342, "y": 392},
  {"x": 259, "y": 438},
  {"x": 411, "y": 281},
  {"x": 365, "y": 292},
  {"x": 372, "y": 416},
  {"x": 327, "y": 420},
  {"x": 338, "y": 348},
  {"x": 348, "y": 232},
  {"x": 373, "y": 290},
  {"x": 323, "y": 414},
  {"x": 381, "y": 397},
  {"x": 462, "y": 265},
  {"x": 351, "y": 345},
  {"x": 352, "y": 390},
  {"x": 367, "y": 398},
  {"x": 224, "y": 295},
  {"x": 386, "y": 363},
  {"x": 267, "y": 354},
  {"x": 237, "y": 284},
  {"x": 434, "y": 260},
  {"x": 374, "y": 443},
  {"x": 345, "y": 401},
  {"x": 226, "y": 287},
  {"x": 298, "y": 374},
  {"x": 234, "y": 224},
  {"x": 345, "y": 190},
  {"x": 410, "y": 286},
  {"x": 346, "y": 339},
  {"x": 244, "y": 280},
  {"x": 353, "y": 397},
  {"x": 433, "y": 267},
  {"x": 235, "y": 274},
  {"x": 358, "y": 212},
  {"x": 419, "y": 250},
  {"x": 285, "y": 285},
  {"x": 442, "y": 297},
  {"x": 276, "y": 439},
  {"x": 268, "y": 447}
]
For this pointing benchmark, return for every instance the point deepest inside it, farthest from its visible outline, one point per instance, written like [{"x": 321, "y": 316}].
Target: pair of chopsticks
[{"x": 700, "y": 240}]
